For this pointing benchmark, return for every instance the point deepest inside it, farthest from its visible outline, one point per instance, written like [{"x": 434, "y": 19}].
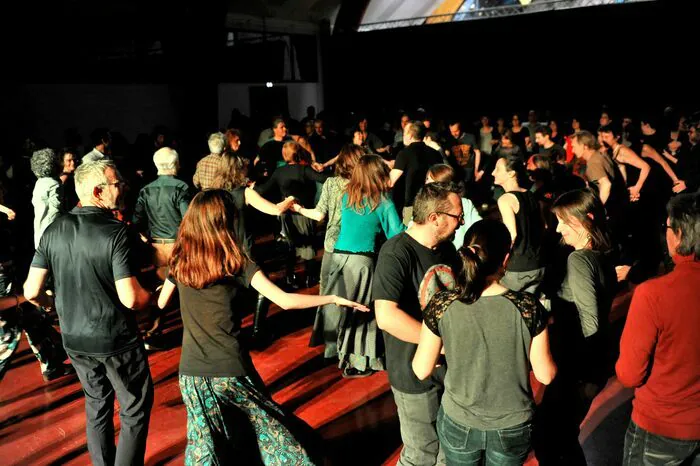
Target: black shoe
[
  {"x": 352, "y": 373},
  {"x": 58, "y": 371},
  {"x": 290, "y": 283},
  {"x": 311, "y": 281},
  {"x": 151, "y": 344},
  {"x": 261, "y": 339}
]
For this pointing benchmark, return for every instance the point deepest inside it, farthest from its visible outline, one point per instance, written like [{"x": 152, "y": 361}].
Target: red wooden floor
[{"x": 44, "y": 423}]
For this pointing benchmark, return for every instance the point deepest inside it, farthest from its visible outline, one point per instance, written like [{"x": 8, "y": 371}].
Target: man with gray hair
[
  {"x": 46, "y": 197},
  {"x": 208, "y": 167},
  {"x": 161, "y": 206},
  {"x": 87, "y": 251}
]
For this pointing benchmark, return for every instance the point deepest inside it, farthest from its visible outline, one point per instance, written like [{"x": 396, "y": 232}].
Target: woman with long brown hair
[
  {"x": 226, "y": 405},
  {"x": 329, "y": 205},
  {"x": 298, "y": 180},
  {"x": 367, "y": 212}
]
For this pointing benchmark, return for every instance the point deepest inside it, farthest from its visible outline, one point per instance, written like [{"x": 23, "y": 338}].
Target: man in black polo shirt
[
  {"x": 87, "y": 253},
  {"x": 413, "y": 163},
  {"x": 411, "y": 267}
]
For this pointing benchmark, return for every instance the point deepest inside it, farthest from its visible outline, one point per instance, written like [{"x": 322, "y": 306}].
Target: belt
[{"x": 162, "y": 241}]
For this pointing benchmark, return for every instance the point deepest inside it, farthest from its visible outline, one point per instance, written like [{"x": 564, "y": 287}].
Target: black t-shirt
[
  {"x": 271, "y": 153},
  {"x": 86, "y": 251},
  {"x": 519, "y": 139},
  {"x": 211, "y": 318},
  {"x": 556, "y": 152},
  {"x": 414, "y": 161},
  {"x": 294, "y": 180},
  {"x": 408, "y": 274},
  {"x": 243, "y": 235}
]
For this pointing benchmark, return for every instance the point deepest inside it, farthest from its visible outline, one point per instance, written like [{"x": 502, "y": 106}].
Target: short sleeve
[
  {"x": 436, "y": 308},
  {"x": 531, "y": 310},
  {"x": 401, "y": 161},
  {"x": 249, "y": 270},
  {"x": 121, "y": 263},
  {"x": 41, "y": 258},
  {"x": 595, "y": 170},
  {"x": 322, "y": 205},
  {"x": 390, "y": 276}
]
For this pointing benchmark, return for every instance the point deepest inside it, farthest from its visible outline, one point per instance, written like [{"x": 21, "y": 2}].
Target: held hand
[
  {"x": 296, "y": 208},
  {"x": 679, "y": 186},
  {"x": 286, "y": 204},
  {"x": 317, "y": 166},
  {"x": 634, "y": 193},
  {"x": 347, "y": 303}
]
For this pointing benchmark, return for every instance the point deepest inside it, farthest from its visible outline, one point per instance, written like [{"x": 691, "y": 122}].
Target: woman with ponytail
[{"x": 492, "y": 337}]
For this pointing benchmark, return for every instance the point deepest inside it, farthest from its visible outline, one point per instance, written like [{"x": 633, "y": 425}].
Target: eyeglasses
[
  {"x": 459, "y": 218},
  {"x": 118, "y": 184}
]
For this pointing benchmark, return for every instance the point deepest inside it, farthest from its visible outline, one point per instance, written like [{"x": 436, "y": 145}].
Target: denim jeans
[
  {"x": 465, "y": 445},
  {"x": 644, "y": 448},
  {"x": 417, "y": 417}
]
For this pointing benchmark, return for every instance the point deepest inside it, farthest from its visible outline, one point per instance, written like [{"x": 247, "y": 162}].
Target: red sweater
[{"x": 660, "y": 352}]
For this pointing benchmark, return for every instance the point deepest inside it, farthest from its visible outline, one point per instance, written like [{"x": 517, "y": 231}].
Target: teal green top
[{"x": 359, "y": 230}]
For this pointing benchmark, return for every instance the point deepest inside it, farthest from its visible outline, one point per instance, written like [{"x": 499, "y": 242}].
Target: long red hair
[{"x": 206, "y": 249}]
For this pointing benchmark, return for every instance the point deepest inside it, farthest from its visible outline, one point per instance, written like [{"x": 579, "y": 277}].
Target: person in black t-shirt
[
  {"x": 298, "y": 180},
  {"x": 411, "y": 267},
  {"x": 543, "y": 137},
  {"x": 229, "y": 413},
  {"x": 462, "y": 152},
  {"x": 89, "y": 250},
  {"x": 412, "y": 164}
]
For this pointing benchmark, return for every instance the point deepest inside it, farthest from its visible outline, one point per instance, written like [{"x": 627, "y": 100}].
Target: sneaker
[
  {"x": 352, "y": 373},
  {"x": 58, "y": 371},
  {"x": 152, "y": 345}
]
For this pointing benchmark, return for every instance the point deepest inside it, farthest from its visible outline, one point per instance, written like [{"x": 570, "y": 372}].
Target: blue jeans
[
  {"x": 465, "y": 445},
  {"x": 644, "y": 448}
]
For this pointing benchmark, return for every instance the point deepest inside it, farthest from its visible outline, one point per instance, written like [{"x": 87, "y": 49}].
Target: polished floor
[{"x": 44, "y": 423}]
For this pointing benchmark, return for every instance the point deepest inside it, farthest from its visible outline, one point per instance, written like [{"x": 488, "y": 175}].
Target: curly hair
[
  {"x": 231, "y": 173},
  {"x": 44, "y": 163}
]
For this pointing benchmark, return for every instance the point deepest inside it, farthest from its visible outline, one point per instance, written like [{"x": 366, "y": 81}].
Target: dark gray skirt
[{"x": 359, "y": 343}]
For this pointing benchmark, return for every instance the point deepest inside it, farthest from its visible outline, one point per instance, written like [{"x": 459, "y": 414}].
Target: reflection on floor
[{"x": 44, "y": 423}]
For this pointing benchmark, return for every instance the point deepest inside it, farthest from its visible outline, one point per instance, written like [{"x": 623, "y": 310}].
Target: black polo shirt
[{"x": 86, "y": 251}]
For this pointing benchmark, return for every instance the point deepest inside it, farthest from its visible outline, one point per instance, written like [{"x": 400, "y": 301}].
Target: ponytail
[
  {"x": 486, "y": 246},
  {"x": 472, "y": 271}
]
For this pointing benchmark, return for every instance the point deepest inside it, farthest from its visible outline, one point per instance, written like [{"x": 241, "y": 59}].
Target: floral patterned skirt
[{"x": 230, "y": 421}]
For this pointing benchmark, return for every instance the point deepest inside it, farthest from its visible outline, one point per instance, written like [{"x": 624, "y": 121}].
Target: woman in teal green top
[{"x": 367, "y": 212}]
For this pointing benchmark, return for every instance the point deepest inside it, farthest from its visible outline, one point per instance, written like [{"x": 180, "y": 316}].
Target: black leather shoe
[{"x": 58, "y": 371}]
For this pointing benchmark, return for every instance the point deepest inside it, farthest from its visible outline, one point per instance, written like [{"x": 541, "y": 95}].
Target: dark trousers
[
  {"x": 647, "y": 449},
  {"x": 127, "y": 376}
]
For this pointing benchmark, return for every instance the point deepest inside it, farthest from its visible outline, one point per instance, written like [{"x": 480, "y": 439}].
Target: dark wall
[{"x": 631, "y": 56}]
